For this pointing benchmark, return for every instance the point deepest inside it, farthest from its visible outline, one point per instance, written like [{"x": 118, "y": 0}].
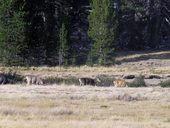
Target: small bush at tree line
[
  {"x": 106, "y": 81},
  {"x": 165, "y": 84},
  {"x": 13, "y": 77},
  {"x": 138, "y": 82},
  {"x": 58, "y": 80}
]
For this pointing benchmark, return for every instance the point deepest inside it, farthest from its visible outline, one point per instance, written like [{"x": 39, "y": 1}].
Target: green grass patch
[
  {"x": 13, "y": 77},
  {"x": 165, "y": 84},
  {"x": 106, "y": 81},
  {"x": 71, "y": 81},
  {"x": 59, "y": 80},
  {"x": 138, "y": 82},
  {"x": 53, "y": 80}
]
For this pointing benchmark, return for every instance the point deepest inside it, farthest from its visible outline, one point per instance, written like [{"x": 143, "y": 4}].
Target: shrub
[
  {"x": 138, "y": 82},
  {"x": 165, "y": 84},
  {"x": 71, "y": 81},
  {"x": 105, "y": 81},
  {"x": 53, "y": 80},
  {"x": 13, "y": 77},
  {"x": 58, "y": 80}
]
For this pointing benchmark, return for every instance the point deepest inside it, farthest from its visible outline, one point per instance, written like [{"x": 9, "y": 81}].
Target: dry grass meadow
[
  {"x": 61, "y": 106},
  {"x": 71, "y": 106},
  {"x": 150, "y": 62}
]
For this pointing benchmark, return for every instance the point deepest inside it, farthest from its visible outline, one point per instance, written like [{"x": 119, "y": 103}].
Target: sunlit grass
[
  {"x": 63, "y": 106},
  {"x": 140, "y": 57},
  {"x": 86, "y": 71},
  {"x": 83, "y": 107}
]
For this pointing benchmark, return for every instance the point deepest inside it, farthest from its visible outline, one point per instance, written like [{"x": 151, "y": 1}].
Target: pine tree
[
  {"x": 102, "y": 30},
  {"x": 12, "y": 28},
  {"x": 63, "y": 49}
]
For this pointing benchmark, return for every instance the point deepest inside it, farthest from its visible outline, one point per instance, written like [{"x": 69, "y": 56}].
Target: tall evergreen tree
[
  {"x": 12, "y": 32},
  {"x": 45, "y": 17},
  {"x": 102, "y": 29},
  {"x": 63, "y": 49}
]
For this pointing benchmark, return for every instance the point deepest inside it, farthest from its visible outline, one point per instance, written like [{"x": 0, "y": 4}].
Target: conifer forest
[{"x": 78, "y": 32}]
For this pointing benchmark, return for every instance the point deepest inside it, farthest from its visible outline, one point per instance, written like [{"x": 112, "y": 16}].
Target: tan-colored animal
[
  {"x": 31, "y": 79},
  {"x": 120, "y": 83},
  {"x": 88, "y": 81}
]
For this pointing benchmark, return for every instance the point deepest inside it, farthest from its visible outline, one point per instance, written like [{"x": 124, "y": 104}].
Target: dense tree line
[{"x": 71, "y": 32}]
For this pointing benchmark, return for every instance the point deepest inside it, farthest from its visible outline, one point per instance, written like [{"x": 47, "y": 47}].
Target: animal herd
[{"x": 37, "y": 80}]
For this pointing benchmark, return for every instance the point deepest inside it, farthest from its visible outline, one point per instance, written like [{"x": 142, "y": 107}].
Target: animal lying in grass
[{"x": 120, "y": 83}]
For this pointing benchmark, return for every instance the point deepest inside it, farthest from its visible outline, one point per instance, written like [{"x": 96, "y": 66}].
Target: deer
[{"x": 88, "y": 81}]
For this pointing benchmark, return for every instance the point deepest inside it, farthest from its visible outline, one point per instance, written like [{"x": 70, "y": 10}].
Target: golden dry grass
[
  {"x": 137, "y": 54},
  {"x": 85, "y": 71},
  {"x": 142, "y": 62},
  {"x": 83, "y": 107}
]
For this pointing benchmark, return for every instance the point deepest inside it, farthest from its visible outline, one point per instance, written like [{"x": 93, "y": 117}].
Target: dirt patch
[
  {"x": 152, "y": 65},
  {"x": 144, "y": 58}
]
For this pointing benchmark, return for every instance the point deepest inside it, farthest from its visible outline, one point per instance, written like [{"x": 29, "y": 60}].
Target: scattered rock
[
  {"x": 167, "y": 76},
  {"x": 128, "y": 76},
  {"x": 152, "y": 77}
]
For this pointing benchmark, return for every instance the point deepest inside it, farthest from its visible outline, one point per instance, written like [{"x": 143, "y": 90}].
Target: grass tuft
[
  {"x": 138, "y": 82},
  {"x": 165, "y": 84},
  {"x": 71, "y": 81},
  {"x": 13, "y": 77},
  {"x": 59, "y": 80},
  {"x": 106, "y": 81},
  {"x": 53, "y": 80}
]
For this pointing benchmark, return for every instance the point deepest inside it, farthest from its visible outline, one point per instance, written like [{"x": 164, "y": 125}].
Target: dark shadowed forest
[{"x": 77, "y": 32}]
